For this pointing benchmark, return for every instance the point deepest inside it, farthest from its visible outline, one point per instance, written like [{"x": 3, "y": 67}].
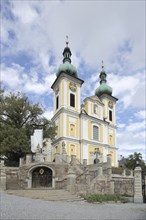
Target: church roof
[
  {"x": 66, "y": 66},
  {"x": 94, "y": 98},
  {"x": 103, "y": 88}
]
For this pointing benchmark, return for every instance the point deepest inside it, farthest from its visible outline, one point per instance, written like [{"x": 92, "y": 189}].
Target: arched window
[{"x": 95, "y": 132}]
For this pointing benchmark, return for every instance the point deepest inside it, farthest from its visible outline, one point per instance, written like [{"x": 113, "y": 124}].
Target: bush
[{"x": 104, "y": 198}]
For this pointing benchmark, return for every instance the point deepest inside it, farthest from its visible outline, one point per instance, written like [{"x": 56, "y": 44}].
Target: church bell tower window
[
  {"x": 72, "y": 100},
  {"x": 57, "y": 102},
  {"x": 110, "y": 115}
]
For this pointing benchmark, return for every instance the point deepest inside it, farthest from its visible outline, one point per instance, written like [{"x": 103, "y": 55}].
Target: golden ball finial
[
  {"x": 66, "y": 40},
  {"x": 102, "y": 65}
]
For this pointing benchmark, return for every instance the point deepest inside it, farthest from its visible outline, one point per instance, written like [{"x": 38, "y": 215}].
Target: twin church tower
[{"x": 88, "y": 130}]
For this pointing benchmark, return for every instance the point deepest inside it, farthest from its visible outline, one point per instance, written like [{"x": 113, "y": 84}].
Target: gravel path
[{"x": 21, "y": 208}]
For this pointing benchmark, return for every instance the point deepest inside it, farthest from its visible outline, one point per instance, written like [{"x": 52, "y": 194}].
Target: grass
[{"x": 104, "y": 198}]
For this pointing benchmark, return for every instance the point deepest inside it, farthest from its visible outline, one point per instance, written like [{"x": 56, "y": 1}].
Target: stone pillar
[
  {"x": 64, "y": 157},
  {"x": 73, "y": 160},
  {"x": 28, "y": 158},
  {"x": 71, "y": 180},
  {"x": 21, "y": 161},
  {"x": 124, "y": 172},
  {"x": 112, "y": 187},
  {"x": 100, "y": 171},
  {"x": 131, "y": 172},
  {"x": 2, "y": 176},
  {"x": 68, "y": 159},
  {"x": 138, "y": 198},
  {"x": 109, "y": 159},
  {"x": 48, "y": 158},
  {"x": 85, "y": 163},
  {"x": 3, "y": 180},
  {"x": 57, "y": 158}
]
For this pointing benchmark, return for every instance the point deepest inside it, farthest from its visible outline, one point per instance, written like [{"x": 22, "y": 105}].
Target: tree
[
  {"x": 131, "y": 161},
  {"x": 18, "y": 119}
]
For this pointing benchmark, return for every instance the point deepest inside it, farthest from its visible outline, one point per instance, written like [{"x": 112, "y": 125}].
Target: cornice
[{"x": 67, "y": 76}]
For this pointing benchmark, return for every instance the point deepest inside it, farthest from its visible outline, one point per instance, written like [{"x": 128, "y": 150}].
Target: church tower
[
  {"x": 67, "y": 104},
  {"x": 98, "y": 128}
]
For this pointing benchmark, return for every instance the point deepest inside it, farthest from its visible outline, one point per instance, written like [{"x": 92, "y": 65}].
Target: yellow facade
[{"x": 76, "y": 126}]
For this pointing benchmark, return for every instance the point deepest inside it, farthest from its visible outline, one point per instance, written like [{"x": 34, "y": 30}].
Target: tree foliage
[
  {"x": 131, "y": 161},
  {"x": 18, "y": 119}
]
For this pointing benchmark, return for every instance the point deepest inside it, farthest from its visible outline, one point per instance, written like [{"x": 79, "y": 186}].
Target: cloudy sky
[{"x": 33, "y": 38}]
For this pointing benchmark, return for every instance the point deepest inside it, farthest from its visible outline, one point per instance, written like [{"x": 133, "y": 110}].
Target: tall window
[
  {"x": 72, "y": 100},
  {"x": 57, "y": 102},
  {"x": 95, "y": 132},
  {"x": 110, "y": 115}
]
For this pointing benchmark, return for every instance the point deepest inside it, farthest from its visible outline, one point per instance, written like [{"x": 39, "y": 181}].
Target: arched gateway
[{"x": 41, "y": 177}]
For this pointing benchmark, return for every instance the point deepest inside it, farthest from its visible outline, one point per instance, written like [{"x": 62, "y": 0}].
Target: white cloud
[
  {"x": 48, "y": 114},
  {"x": 131, "y": 138},
  {"x": 16, "y": 78},
  {"x": 135, "y": 127},
  {"x": 128, "y": 89},
  {"x": 24, "y": 12},
  {"x": 141, "y": 114},
  {"x": 11, "y": 75},
  {"x": 93, "y": 35},
  {"x": 121, "y": 125}
]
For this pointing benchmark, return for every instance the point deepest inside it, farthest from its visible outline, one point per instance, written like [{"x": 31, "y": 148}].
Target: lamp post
[{"x": 138, "y": 162}]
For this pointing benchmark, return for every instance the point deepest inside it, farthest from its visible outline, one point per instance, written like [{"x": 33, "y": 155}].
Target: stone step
[{"x": 50, "y": 195}]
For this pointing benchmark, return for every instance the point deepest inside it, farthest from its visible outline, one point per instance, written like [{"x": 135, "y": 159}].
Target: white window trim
[{"x": 74, "y": 93}]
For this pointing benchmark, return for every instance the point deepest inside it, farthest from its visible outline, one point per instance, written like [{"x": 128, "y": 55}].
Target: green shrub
[{"x": 104, "y": 198}]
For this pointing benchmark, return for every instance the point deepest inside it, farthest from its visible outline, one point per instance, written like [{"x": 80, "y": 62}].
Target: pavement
[{"x": 22, "y": 208}]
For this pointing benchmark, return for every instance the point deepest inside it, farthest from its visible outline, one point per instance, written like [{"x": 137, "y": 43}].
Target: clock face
[{"x": 110, "y": 104}]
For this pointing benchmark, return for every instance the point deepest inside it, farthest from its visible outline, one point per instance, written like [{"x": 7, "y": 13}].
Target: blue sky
[{"x": 33, "y": 38}]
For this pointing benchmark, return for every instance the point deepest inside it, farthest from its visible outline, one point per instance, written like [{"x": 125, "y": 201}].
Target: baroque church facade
[{"x": 86, "y": 130}]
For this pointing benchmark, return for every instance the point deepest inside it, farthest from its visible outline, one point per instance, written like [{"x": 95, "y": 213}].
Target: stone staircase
[{"x": 46, "y": 194}]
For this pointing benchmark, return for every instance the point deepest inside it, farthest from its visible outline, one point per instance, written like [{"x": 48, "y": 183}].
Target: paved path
[{"x": 21, "y": 208}]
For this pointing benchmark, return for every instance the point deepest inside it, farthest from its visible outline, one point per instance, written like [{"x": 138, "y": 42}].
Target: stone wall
[
  {"x": 59, "y": 174},
  {"x": 9, "y": 178},
  {"x": 77, "y": 178},
  {"x": 123, "y": 185}
]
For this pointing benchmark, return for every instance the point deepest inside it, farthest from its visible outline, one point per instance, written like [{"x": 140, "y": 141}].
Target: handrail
[
  {"x": 63, "y": 160},
  {"x": 81, "y": 174}
]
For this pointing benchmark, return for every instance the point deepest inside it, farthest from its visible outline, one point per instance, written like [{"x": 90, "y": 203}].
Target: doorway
[{"x": 41, "y": 177}]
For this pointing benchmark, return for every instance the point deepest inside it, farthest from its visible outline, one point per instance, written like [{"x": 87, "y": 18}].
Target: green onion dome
[
  {"x": 103, "y": 88},
  {"x": 66, "y": 66}
]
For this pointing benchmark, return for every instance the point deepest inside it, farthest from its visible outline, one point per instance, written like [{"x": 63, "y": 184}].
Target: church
[{"x": 86, "y": 130}]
